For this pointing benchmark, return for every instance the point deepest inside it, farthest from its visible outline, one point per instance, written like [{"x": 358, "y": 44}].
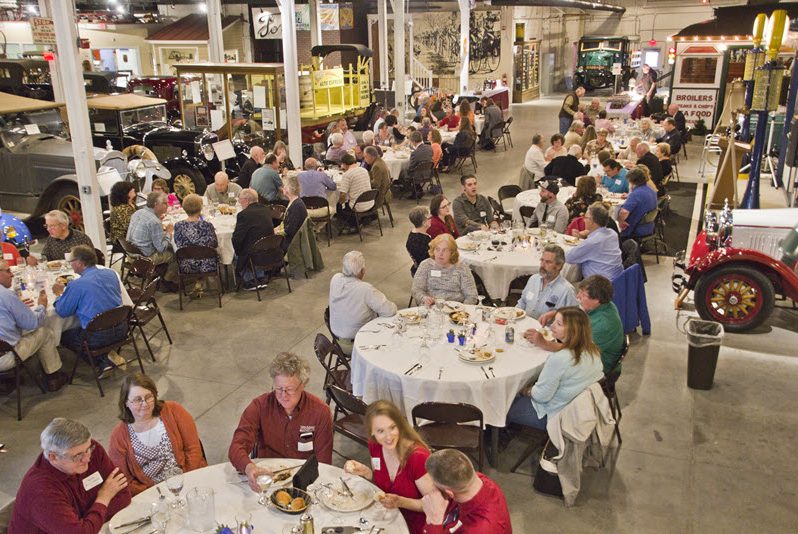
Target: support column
[
  {"x": 291, "y": 68},
  {"x": 382, "y": 38},
  {"x": 68, "y": 57},
  {"x": 465, "y": 46},
  {"x": 215, "y": 40},
  {"x": 55, "y": 74},
  {"x": 315, "y": 27},
  {"x": 399, "y": 56}
]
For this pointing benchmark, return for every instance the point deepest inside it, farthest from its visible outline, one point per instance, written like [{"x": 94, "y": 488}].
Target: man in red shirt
[
  {"x": 72, "y": 487},
  {"x": 287, "y": 422},
  {"x": 476, "y": 503},
  {"x": 452, "y": 120}
]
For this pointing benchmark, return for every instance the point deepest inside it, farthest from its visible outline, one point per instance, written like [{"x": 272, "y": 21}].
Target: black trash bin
[{"x": 704, "y": 339}]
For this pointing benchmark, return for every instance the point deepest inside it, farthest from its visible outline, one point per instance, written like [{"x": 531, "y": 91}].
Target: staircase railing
[{"x": 420, "y": 73}]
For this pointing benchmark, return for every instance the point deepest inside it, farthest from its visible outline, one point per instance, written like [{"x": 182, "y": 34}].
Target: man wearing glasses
[
  {"x": 147, "y": 232},
  {"x": 62, "y": 238},
  {"x": 72, "y": 486},
  {"x": 287, "y": 422}
]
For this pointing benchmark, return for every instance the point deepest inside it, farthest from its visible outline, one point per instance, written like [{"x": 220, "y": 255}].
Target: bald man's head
[
  {"x": 257, "y": 154},
  {"x": 221, "y": 181}
]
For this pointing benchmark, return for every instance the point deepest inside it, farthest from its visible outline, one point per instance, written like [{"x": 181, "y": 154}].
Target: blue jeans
[
  {"x": 523, "y": 413},
  {"x": 73, "y": 340},
  {"x": 565, "y": 123}
]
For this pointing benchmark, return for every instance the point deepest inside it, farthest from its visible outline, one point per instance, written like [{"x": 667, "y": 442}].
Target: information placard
[{"x": 696, "y": 104}]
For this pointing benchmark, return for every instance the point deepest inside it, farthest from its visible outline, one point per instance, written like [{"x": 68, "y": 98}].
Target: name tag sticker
[
  {"x": 456, "y": 526},
  {"x": 93, "y": 480},
  {"x": 435, "y": 274},
  {"x": 8, "y": 256},
  {"x": 375, "y": 464},
  {"x": 551, "y": 218},
  {"x": 617, "y": 181},
  {"x": 231, "y": 195},
  {"x": 483, "y": 213},
  {"x": 305, "y": 443}
]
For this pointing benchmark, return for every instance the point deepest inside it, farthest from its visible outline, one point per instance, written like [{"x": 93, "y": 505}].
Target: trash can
[{"x": 704, "y": 339}]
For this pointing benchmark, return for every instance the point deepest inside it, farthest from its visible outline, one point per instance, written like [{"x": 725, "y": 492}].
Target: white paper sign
[
  {"x": 267, "y": 23},
  {"x": 616, "y": 69},
  {"x": 99, "y": 126},
  {"x": 268, "y": 120},
  {"x": 224, "y": 150},
  {"x": 33, "y": 129},
  {"x": 106, "y": 178},
  {"x": 217, "y": 119},
  {"x": 696, "y": 104},
  {"x": 196, "y": 94},
  {"x": 283, "y": 119},
  {"x": 259, "y": 96}
]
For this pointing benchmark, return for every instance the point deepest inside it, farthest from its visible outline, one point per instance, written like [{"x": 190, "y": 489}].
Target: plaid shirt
[{"x": 145, "y": 231}]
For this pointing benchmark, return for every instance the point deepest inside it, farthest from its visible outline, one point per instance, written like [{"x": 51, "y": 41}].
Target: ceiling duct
[{"x": 576, "y": 4}]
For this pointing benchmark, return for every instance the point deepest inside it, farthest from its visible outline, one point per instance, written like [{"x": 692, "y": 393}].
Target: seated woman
[
  {"x": 434, "y": 138},
  {"x": 583, "y": 197},
  {"x": 426, "y": 126},
  {"x": 336, "y": 150},
  {"x": 159, "y": 184},
  {"x": 295, "y": 213},
  {"x": 442, "y": 275},
  {"x": 647, "y": 129},
  {"x": 463, "y": 143},
  {"x": 418, "y": 239},
  {"x": 195, "y": 232},
  {"x": 398, "y": 456},
  {"x": 442, "y": 221},
  {"x": 154, "y": 437},
  {"x": 123, "y": 206},
  {"x": 566, "y": 373},
  {"x": 598, "y": 144},
  {"x": 556, "y": 149},
  {"x": 281, "y": 151},
  {"x": 663, "y": 153}
]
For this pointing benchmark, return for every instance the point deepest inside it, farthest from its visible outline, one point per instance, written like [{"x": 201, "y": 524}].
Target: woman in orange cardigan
[{"x": 154, "y": 437}]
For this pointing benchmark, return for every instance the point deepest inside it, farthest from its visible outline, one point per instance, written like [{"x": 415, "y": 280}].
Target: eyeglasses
[
  {"x": 142, "y": 400},
  {"x": 81, "y": 455},
  {"x": 56, "y": 225},
  {"x": 286, "y": 391},
  {"x": 445, "y": 205}
]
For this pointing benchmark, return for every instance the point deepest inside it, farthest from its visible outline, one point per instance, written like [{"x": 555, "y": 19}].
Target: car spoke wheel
[
  {"x": 183, "y": 186},
  {"x": 69, "y": 203},
  {"x": 739, "y": 297},
  {"x": 186, "y": 180}
]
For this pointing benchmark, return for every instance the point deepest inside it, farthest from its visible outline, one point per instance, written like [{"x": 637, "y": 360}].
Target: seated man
[
  {"x": 472, "y": 211},
  {"x": 421, "y": 154},
  {"x": 568, "y": 167},
  {"x": 61, "y": 239},
  {"x": 253, "y": 163},
  {"x": 287, "y": 422},
  {"x": 22, "y": 328},
  {"x": 574, "y": 135},
  {"x": 547, "y": 290},
  {"x": 267, "y": 182},
  {"x": 354, "y": 182},
  {"x": 672, "y": 136},
  {"x": 641, "y": 200},
  {"x": 253, "y": 222},
  {"x": 336, "y": 150},
  {"x": 72, "y": 486},
  {"x": 650, "y": 160},
  {"x": 594, "y": 294},
  {"x": 349, "y": 138},
  {"x": 476, "y": 503},
  {"x": 678, "y": 117},
  {"x": 95, "y": 291},
  {"x": 354, "y": 302},
  {"x": 550, "y": 211},
  {"x": 600, "y": 252},
  {"x": 379, "y": 175},
  {"x": 614, "y": 178},
  {"x": 451, "y": 120},
  {"x": 316, "y": 183},
  {"x": 223, "y": 191},
  {"x": 148, "y": 234}
]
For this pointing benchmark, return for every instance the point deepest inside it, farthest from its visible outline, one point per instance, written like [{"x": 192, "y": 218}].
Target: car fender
[{"x": 47, "y": 196}]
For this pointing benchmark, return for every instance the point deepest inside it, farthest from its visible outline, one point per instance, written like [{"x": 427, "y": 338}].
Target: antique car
[
  {"x": 26, "y": 77},
  {"x": 137, "y": 125},
  {"x": 37, "y": 166},
  {"x": 739, "y": 264},
  {"x": 105, "y": 82},
  {"x": 159, "y": 87},
  {"x": 595, "y": 60}
]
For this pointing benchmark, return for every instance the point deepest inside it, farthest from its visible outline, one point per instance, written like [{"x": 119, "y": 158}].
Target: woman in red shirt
[
  {"x": 442, "y": 221},
  {"x": 398, "y": 456}
]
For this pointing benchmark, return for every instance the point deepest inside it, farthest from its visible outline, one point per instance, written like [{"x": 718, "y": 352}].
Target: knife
[
  {"x": 136, "y": 522},
  {"x": 484, "y": 372},
  {"x": 346, "y": 487},
  {"x": 413, "y": 368},
  {"x": 418, "y": 368}
]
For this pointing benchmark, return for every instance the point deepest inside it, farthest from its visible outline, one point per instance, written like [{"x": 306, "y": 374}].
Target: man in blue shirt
[
  {"x": 547, "y": 290},
  {"x": 600, "y": 253},
  {"x": 614, "y": 178},
  {"x": 146, "y": 231},
  {"x": 640, "y": 201},
  {"x": 21, "y": 327},
  {"x": 95, "y": 292},
  {"x": 316, "y": 183},
  {"x": 267, "y": 182}
]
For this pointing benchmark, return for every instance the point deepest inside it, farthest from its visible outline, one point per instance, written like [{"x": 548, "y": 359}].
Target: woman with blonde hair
[
  {"x": 663, "y": 153},
  {"x": 442, "y": 275},
  {"x": 566, "y": 373},
  {"x": 281, "y": 151},
  {"x": 398, "y": 456}
]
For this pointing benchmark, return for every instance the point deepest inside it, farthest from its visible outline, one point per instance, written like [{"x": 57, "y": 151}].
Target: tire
[
  {"x": 67, "y": 199},
  {"x": 737, "y": 296},
  {"x": 186, "y": 180}
]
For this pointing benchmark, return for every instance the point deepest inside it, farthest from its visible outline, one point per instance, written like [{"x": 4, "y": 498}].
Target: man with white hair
[
  {"x": 628, "y": 156},
  {"x": 72, "y": 486},
  {"x": 649, "y": 159},
  {"x": 567, "y": 167},
  {"x": 316, "y": 183},
  {"x": 61, "y": 237},
  {"x": 146, "y": 231},
  {"x": 349, "y": 137},
  {"x": 336, "y": 150},
  {"x": 253, "y": 222},
  {"x": 575, "y": 133},
  {"x": 354, "y": 302},
  {"x": 256, "y": 157},
  {"x": 223, "y": 191}
]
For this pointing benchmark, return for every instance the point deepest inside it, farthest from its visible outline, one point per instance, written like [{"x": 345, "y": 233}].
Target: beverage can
[{"x": 509, "y": 334}]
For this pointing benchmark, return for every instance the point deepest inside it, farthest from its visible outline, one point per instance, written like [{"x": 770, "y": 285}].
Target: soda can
[{"x": 509, "y": 334}]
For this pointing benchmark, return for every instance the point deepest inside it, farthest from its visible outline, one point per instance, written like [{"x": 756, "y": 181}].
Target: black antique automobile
[
  {"x": 37, "y": 165},
  {"x": 595, "y": 60},
  {"x": 137, "y": 125},
  {"x": 26, "y": 77},
  {"x": 105, "y": 82}
]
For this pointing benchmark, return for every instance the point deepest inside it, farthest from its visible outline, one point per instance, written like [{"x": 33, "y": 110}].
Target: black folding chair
[
  {"x": 18, "y": 364},
  {"x": 184, "y": 274},
  {"x": 146, "y": 309},
  {"x": 365, "y": 197},
  {"x": 315, "y": 203},
  {"x": 267, "y": 254},
  {"x": 422, "y": 175}
]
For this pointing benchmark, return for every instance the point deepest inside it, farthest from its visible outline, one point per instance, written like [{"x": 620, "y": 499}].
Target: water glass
[
  {"x": 264, "y": 483},
  {"x": 201, "y": 509},
  {"x": 159, "y": 515},
  {"x": 174, "y": 482}
]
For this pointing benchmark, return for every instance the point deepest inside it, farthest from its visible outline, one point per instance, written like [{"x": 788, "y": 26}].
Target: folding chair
[
  {"x": 526, "y": 213},
  {"x": 267, "y": 253},
  {"x": 498, "y": 210},
  {"x": 365, "y": 197},
  {"x": 18, "y": 364},
  {"x": 608, "y": 386},
  {"x": 195, "y": 252},
  {"x": 448, "y": 429},
  {"x": 353, "y": 423},
  {"x": 145, "y": 310},
  {"x": 506, "y": 132},
  {"x": 315, "y": 203},
  {"x": 335, "y": 363},
  {"x": 422, "y": 175}
]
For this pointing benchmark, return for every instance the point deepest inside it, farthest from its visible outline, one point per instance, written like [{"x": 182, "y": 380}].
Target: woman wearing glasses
[{"x": 155, "y": 437}]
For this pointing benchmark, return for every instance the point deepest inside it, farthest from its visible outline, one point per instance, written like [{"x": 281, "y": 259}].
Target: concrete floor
[{"x": 691, "y": 461}]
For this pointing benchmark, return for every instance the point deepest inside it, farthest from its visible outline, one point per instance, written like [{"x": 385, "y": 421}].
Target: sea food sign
[
  {"x": 328, "y": 78},
  {"x": 696, "y": 104}
]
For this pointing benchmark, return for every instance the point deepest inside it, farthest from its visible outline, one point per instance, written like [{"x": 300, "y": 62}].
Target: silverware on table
[
  {"x": 346, "y": 486},
  {"x": 412, "y": 368},
  {"x": 418, "y": 368},
  {"x": 162, "y": 496},
  {"x": 484, "y": 372},
  {"x": 491, "y": 371},
  {"x": 136, "y": 522},
  {"x": 440, "y": 373}
]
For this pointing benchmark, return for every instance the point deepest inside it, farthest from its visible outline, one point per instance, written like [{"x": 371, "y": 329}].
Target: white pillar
[
  {"x": 465, "y": 46},
  {"x": 290, "y": 65},
  {"x": 382, "y": 38},
  {"x": 315, "y": 27},
  {"x": 68, "y": 56},
  {"x": 399, "y": 56},
  {"x": 215, "y": 39},
  {"x": 55, "y": 74}
]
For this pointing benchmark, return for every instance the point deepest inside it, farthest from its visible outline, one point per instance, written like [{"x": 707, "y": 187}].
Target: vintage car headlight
[
  {"x": 137, "y": 167},
  {"x": 207, "y": 151},
  {"x": 711, "y": 228}
]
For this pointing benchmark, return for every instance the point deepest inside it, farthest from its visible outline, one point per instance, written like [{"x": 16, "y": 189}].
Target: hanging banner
[
  {"x": 346, "y": 16},
  {"x": 267, "y": 24},
  {"x": 303, "y": 17},
  {"x": 328, "y": 17}
]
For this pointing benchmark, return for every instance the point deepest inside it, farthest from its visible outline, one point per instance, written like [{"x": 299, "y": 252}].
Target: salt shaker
[{"x": 306, "y": 522}]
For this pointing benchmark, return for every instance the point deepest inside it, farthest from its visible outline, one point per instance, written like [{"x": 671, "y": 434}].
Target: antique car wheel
[
  {"x": 68, "y": 201},
  {"x": 738, "y": 297},
  {"x": 186, "y": 181}
]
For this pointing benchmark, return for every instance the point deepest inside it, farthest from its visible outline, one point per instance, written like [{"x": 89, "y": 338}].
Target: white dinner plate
[
  {"x": 335, "y": 500},
  {"x": 452, "y": 306},
  {"x": 476, "y": 356},
  {"x": 468, "y": 245},
  {"x": 411, "y": 316},
  {"x": 509, "y": 314},
  {"x": 276, "y": 464}
]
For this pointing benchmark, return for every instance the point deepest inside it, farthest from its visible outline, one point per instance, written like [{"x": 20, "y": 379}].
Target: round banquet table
[
  {"x": 531, "y": 197},
  {"x": 396, "y": 160},
  {"x": 498, "y": 269},
  {"x": 232, "y": 496},
  {"x": 224, "y": 226}
]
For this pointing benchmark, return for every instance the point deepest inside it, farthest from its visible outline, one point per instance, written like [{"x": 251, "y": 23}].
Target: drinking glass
[
  {"x": 243, "y": 523},
  {"x": 159, "y": 515},
  {"x": 174, "y": 482},
  {"x": 439, "y": 302},
  {"x": 264, "y": 482}
]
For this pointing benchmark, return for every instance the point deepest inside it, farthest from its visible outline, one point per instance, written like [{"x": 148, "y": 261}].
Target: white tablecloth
[
  {"x": 531, "y": 197},
  {"x": 396, "y": 160},
  {"x": 379, "y": 374},
  {"x": 224, "y": 226},
  {"x": 232, "y": 497},
  {"x": 498, "y": 269}
]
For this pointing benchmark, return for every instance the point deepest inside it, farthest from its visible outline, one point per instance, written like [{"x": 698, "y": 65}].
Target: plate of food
[
  {"x": 476, "y": 355},
  {"x": 55, "y": 265},
  {"x": 64, "y": 279},
  {"x": 291, "y": 500},
  {"x": 533, "y": 231},
  {"x": 224, "y": 209},
  {"x": 479, "y": 235},
  {"x": 509, "y": 314},
  {"x": 468, "y": 246},
  {"x": 570, "y": 240},
  {"x": 452, "y": 306},
  {"x": 547, "y": 334},
  {"x": 460, "y": 317},
  {"x": 338, "y": 499},
  {"x": 283, "y": 471},
  {"x": 410, "y": 316}
]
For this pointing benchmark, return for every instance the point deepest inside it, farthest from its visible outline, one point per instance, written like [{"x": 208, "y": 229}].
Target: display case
[{"x": 526, "y": 76}]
